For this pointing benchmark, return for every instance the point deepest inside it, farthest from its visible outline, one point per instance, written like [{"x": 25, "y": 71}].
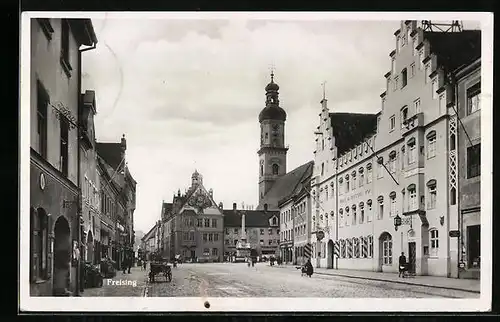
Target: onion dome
[{"x": 272, "y": 111}]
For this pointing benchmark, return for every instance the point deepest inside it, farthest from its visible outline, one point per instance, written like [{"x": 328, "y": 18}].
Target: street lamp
[{"x": 397, "y": 222}]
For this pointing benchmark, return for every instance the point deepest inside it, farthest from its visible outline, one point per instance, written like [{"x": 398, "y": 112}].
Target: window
[
  {"x": 412, "y": 152},
  {"x": 369, "y": 173},
  {"x": 416, "y": 106},
  {"x": 227, "y": 231},
  {"x": 207, "y": 222},
  {"x": 42, "y": 104},
  {"x": 261, "y": 170},
  {"x": 421, "y": 60},
  {"x": 64, "y": 126},
  {"x": 412, "y": 70},
  {"x": 216, "y": 237},
  {"x": 387, "y": 249},
  {"x": 474, "y": 161},
  {"x": 380, "y": 207},
  {"x": 427, "y": 72},
  {"x": 326, "y": 193},
  {"x": 261, "y": 242},
  {"x": 354, "y": 215},
  {"x": 474, "y": 99},
  {"x": 404, "y": 78},
  {"x": 404, "y": 116},
  {"x": 210, "y": 237},
  {"x": 412, "y": 201},
  {"x": 185, "y": 236},
  {"x": 392, "y": 161},
  {"x": 235, "y": 242},
  {"x": 276, "y": 169},
  {"x": 396, "y": 82},
  {"x": 41, "y": 243},
  {"x": 453, "y": 196},
  {"x": 236, "y": 230},
  {"x": 392, "y": 210},
  {"x": 262, "y": 231},
  {"x": 215, "y": 252},
  {"x": 361, "y": 216},
  {"x": 200, "y": 224},
  {"x": 270, "y": 231},
  {"x": 432, "y": 194},
  {"x": 393, "y": 61},
  {"x": 431, "y": 144},
  {"x": 353, "y": 180},
  {"x": 226, "y": 242},
  {"x": 214, "y": 223},
  {"x": 434, "y": 238},
  {"x": 347, "y": 184},
  {"x": 347, "y": 216},
  {"x": 380, "y": 168},
  {"x": 434, "y": 89},
  {"x": 392, "y": 122},
  {"x": 322, "y": 168},
  {"x": 205, "y": 237},
  {"x": 206, "y": 251},
  {"x": 65, "y": 46}
]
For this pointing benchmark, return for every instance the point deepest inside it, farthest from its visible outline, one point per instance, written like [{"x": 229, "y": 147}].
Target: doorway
[
  {"x": 412, "y": 256},
  {"x": 62, "y": 256},
  {"x": 474, "y": 246},
  {"x": 90, "y": 248},
  {"x": 193, "y": 254},
  {"x": 330, "y": 254}
]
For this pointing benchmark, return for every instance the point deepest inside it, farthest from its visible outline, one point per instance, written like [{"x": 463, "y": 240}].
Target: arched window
[
  {"x": 369, "y": 173},
  {"x": 380, "y": 213},
  {"x": 453, "y": 196},
  {"x": 431, "y": 144},
  {"x": 432, "y": 194},
  {"x": 392, "y": 161},
  {"x": 412, "y": 151},
  {"x": 392, "y": 209},
  {"x": 361, "y": 177},
  {"x": 386, "y": 243},
  {"x": 276, "y": 169}
]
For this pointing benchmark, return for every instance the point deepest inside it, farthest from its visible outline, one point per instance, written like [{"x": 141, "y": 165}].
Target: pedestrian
[
  {"x": 144, "y": 263},
  {"x": 402, "y": 265},
  {"x": 308, "y": 268}
]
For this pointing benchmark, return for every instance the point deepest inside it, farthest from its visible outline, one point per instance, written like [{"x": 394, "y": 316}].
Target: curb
[{"x": 395, "y": 281}]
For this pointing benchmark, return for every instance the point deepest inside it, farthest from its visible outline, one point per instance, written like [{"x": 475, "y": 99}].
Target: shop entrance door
[
  {"x": 412, "y": 254},
  {"x": 474, "y": 246}
]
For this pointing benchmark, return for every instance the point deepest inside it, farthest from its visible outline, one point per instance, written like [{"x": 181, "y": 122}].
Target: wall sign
[{"x": 42, "y": 181}]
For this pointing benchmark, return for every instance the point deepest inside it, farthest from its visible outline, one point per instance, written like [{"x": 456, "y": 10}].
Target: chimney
[
  {"x": 211, "y": 193},
  {"x": 265, "y": 207},
  {"x": 234, "y": 205},
  {"x": 221, "y": 206}
]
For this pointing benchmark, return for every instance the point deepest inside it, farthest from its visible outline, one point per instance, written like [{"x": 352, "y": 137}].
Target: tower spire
[{"x": 324, "y": 90}]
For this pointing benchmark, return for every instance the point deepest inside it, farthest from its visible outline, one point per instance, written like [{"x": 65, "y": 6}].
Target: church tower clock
[{"x": 272, "y": 152}]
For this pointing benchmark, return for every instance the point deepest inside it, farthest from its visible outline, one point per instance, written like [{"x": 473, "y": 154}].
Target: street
[{"x": 238, "y": 280}]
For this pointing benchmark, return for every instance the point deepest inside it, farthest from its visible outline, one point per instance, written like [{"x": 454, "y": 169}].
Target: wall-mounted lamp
[{"x": 441, "y": 220}]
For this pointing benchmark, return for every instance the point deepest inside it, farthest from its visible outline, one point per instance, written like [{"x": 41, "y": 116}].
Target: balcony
[{"x": 412, "y": 122}]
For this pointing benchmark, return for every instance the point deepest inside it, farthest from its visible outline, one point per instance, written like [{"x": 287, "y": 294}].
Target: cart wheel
[{"x": 169, "y": 277}]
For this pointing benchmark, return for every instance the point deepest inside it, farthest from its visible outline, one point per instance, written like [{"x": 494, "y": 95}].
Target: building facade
[
  {"x": 260, "y": 228},
  {"x": 194, "y": 227},
  {"x": 90, "y": 180},
  {"x": 469, "y": 168},
  {"x": 54, "y": 153},
  {"x": 404, "y": 169}
]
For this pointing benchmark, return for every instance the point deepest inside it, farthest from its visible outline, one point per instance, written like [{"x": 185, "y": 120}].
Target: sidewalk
[
  {"x": 467, "y": 285},
  {"x": 110, "y": 287}
]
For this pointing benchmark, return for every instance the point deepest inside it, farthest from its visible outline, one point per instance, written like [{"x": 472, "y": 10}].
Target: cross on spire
[{"x": 272, "y": 72}]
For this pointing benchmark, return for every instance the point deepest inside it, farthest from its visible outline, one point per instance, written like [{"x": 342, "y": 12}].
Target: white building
[{"x": 396, "y": 163}]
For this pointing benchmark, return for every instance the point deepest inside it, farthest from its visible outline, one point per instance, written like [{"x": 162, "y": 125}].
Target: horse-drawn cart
[{"x": 159, "y": 266}]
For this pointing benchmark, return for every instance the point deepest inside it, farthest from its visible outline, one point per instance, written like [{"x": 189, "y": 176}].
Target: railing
[{"x": 412, "y": 122}]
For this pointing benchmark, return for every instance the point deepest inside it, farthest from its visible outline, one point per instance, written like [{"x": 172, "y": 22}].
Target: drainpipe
[{"x": 337, "y": 210}]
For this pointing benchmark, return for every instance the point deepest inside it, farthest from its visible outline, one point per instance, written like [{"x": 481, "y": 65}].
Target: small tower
[
  {"x": 196, "y": 179},
  {"x": 272, "y": 152}
]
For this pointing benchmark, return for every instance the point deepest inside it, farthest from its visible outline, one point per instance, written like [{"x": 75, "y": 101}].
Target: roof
[
  {"x": 110, "y": 152},
  {"x": 285, "y": 185},
  {"x": 454, "y": 49},
  {"x": 253, "y": 218},
  {"x": 350, "y": 129}
]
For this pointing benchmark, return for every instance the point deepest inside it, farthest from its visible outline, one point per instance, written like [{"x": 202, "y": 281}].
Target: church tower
[{"x": 272, "y": 152}]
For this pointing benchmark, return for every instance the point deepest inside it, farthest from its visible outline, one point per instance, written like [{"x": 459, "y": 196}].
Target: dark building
[{"x": 55, "y": 203}]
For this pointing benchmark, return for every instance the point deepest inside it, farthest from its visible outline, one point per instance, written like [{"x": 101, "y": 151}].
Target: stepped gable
[
  {"x": 454, "y": 49},
  {"x": 285, "y": 185},
  {"x": 253, "y": 218},
  {"x": 350, "y": 129}
]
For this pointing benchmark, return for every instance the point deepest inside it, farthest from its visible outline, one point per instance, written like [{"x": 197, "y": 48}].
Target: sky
[{"x": 187, "y": 95}]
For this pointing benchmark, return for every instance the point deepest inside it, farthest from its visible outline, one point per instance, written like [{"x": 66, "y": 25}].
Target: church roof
[
  {"x": 253, "y": 218},
  {"x": 285, "y": 185}
]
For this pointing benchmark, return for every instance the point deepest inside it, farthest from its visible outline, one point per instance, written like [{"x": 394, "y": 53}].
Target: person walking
[
  {"x": 402, "y": 265},
  {"x": 308, "y": 268}
]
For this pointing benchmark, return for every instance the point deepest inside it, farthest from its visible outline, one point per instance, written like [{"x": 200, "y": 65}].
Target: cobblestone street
[{"x": 238, "y": 280}]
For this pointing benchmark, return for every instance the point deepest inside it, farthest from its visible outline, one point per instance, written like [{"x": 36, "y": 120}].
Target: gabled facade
[
  {"x": 194, "y": 227},
  {"x": 406, "y": 169},
  {"x": 55, "y": 203}
]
